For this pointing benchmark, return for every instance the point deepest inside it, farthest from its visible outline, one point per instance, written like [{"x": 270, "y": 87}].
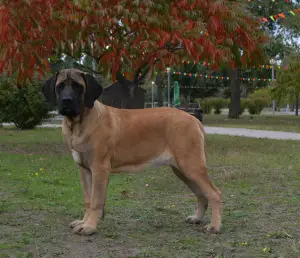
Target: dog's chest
[
  {"x": 77, "y": 157},
  {"x": 80, "y": 157}
]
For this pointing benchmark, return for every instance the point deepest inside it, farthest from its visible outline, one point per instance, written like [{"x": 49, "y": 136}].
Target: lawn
[
  {"x": 40, "y": 194},
  {"x": 284, "y": 123}
]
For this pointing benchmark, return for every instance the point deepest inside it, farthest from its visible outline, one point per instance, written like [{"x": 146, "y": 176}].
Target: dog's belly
[{"x": 165, "y": 159}]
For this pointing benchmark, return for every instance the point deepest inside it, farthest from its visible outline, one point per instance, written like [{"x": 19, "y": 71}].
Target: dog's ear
[
  {"x": 93, "y": 90},
  {"x": 48, "y": 89}
]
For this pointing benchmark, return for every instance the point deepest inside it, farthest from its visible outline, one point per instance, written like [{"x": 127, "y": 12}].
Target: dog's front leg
[
  {"x": 98, "y": 196},
  {"x": 86, "y": 183}
]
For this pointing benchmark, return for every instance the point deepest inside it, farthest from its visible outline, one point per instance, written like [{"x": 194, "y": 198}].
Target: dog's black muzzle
[{"x": 69, "y": 107}]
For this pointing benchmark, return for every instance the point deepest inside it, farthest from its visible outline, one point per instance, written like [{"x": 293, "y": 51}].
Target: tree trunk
[
  {"x": 234, "y": 109},
  {"x": 159, "y": 83},
  {"x": 297, "y": 105}
]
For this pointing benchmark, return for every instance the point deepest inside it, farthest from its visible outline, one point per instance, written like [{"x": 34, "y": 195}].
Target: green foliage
[
  {"x": 283, "y": 35},
  {"x": 227, "y": 102},
  {"x": 256, "y": 105},
  {"x": 287, "y": 84},
  {"x": 258, "y": 100},
  {"x": 218, "y": 104},
  {"x": 25, "y": 107},
  {"x": 262, "y": 93},
  {"x": 206, "y": 105},
  {"x": 244, "y": 104}
]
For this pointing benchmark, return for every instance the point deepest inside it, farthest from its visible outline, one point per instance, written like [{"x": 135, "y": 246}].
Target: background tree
[
  {"x": 280, "y": 30},
  {"x": 288, "y": 80},
  {"x": 281, "y": 42},
  {"x": 132, "y": 33}
]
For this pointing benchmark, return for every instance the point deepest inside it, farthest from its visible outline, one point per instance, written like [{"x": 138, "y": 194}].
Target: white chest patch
[{"x": 77, "y": 157}]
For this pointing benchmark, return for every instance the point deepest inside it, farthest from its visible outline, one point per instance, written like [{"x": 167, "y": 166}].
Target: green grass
[
  {"x": 260, "y": 122},
  {"x": 260, "y": 181}
]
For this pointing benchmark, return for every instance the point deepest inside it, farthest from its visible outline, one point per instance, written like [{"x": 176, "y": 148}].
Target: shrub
[
  {"x": 244, "y": 104},
  {"x": 25, "y": 107},
  {"x": 205, "y": 104},
  {"x": 227, "y": 103},
  {"x": 263, "y": 94},
  {"x": 256, "y": 105},
  {"x": 258, "y": 100},
  {"x": 218, "y": 104}
]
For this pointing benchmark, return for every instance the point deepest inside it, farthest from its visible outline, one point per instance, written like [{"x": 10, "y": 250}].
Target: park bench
[{"x": 193, "y": 109}]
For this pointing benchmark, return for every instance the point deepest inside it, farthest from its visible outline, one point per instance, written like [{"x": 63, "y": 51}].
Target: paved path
[
  {"x": 225, "y": 131},
  {"x": 252, "y": 133}
]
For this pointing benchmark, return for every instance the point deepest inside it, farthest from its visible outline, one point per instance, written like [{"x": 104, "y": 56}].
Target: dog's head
[{"x": 71, "y": 90}]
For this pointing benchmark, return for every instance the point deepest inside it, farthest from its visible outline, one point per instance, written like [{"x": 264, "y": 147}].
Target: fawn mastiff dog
[{"x": 104, "y": 139}]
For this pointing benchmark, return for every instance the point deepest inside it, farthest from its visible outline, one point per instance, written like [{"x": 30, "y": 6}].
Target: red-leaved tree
[{"x": 129, "y": 33}]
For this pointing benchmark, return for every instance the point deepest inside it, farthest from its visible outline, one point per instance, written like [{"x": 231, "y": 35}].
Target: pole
[
  {"x": 152, "y": 94},
  {"x": 169, "y": 91},
  {"x": 297, "y": 104},
  {"x": 92, "y": 38},
  {"x": 273, "y": 101},
  {"x": 94, "y": 67}
]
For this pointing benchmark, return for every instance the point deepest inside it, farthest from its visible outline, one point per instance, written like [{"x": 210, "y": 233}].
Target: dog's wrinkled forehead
[{"x": 69, "y": 75}]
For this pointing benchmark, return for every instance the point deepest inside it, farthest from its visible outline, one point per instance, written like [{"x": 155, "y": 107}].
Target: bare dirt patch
[
  {"x": 43, "y": 234},
  {"x": 45, "y": 148}
]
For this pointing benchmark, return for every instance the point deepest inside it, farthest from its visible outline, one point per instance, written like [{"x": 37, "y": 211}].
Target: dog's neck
[
  {"x": 85, "y": 114},
  {"x": 72, "y": 122},
  {"x": 77, "y": 129}
]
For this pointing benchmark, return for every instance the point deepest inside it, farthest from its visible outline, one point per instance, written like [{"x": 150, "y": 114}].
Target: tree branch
[{"x": 82, "y": 66}]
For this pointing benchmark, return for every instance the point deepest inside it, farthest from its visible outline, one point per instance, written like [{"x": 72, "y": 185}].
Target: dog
[{"x": 105, "y": 139}]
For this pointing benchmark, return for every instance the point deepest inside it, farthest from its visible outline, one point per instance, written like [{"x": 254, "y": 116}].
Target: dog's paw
[
  {"x": 75, "y": 223},
  {"x": 193, "y": 220},
  {"x": 84, "y": 230},
  {"x": 211, "y": 229}
]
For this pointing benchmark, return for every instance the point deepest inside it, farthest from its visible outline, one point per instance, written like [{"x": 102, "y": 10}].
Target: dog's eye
[
  {"x": 77, "y": 86},
  {"x": 60, "y": 87}
]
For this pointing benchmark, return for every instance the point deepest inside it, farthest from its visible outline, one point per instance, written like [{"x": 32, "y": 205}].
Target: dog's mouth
[{"x": 68, "y": 112}]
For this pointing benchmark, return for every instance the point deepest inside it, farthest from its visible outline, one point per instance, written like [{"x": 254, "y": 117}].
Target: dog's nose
[{"x": 67, "y": 100}]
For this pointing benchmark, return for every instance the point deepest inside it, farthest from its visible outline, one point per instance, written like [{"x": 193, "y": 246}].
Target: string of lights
[
  {"x": 204, "y": 87},
  {"x": 263, "y": 66},
  {"x": 217, "y": 77}
]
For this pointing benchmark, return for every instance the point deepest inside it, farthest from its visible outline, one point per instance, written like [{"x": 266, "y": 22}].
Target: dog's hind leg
[
  {"x": 202, "y": 201},
  {"x": 195, "y": 170}
]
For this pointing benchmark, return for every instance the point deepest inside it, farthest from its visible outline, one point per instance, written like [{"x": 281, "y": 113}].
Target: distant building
[{"x": 118, "y": 95}]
